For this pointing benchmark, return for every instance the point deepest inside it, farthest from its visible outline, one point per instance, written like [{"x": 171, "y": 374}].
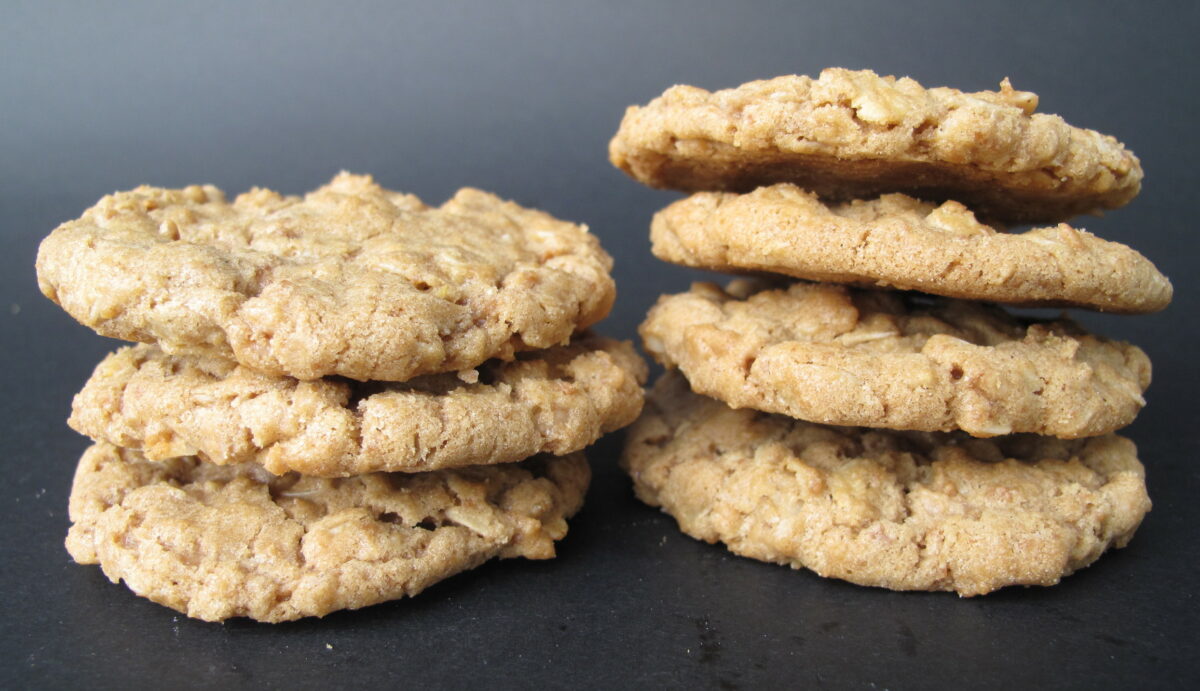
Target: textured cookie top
[
  {"x": 898, "y": 241},
  {"x": 217, "y": 542},
  {"x": 854, "y": 134},
  {"x": 901, "y": 510},
  {"x": 841, "y": 356},
  {"x": 351, "y": 280},
  {"x": 557, "y": 401}
]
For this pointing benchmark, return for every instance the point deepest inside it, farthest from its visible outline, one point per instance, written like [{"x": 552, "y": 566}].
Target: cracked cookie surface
[
  {"x": 900, "y": 510},
  {"x": 852, "y": 134},
  {"x": 217, "y": 542},
  {"x": 350, "y": 280},
  {"x": 898, "y": 241},
  {"x": 557, "y": 401},
  {"x": 843, "y": 356}
]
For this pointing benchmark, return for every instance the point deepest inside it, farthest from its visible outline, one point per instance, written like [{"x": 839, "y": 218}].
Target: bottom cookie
[
  {"x": 217, "y": 542},
  {"x": 900, "y": 510}
]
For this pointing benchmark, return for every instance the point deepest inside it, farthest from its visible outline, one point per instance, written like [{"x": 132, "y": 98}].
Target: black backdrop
[{"x": 521, "y": 99}]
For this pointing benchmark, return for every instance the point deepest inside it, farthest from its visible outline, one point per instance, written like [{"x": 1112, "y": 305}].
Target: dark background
[{"x": 521, "y": 99}]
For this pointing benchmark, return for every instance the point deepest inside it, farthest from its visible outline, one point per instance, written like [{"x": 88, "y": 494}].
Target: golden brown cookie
[
  {"x": 556, "y": 401},
  {"x": 842, "y": 356},
  {"x": 351, "y": 280},
  {"x": 852, "y": 134},
  {"x": 900, "y": 510},
  {"x": 898, "y": 241},
  {"x": 217, "y": 542}
]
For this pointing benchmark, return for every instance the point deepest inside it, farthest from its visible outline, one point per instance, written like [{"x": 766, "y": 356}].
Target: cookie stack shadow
[
  {"x": 861, "y": 405},
  {"x": 339, "y": 399}
]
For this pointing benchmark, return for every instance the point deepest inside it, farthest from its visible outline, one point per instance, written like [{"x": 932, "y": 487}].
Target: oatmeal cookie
[
  {"x": 842, "y": 356},
  {"x": 898, "y": 241},
  {"x": 899, "y": 510},
  {"x": 351, "y": 279},
  {"x": 853, "y": 134},
  {"x": 557, "y": 401},
  {"x": 217, "y": 542}
]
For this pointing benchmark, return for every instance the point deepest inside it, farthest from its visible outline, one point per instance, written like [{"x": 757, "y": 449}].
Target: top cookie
[
  {"x": 351, "y": 280},
  {"x": 852, "y": 134},
  {"x": 898, "y": 241},
  {"x": 829, "y": 354}
]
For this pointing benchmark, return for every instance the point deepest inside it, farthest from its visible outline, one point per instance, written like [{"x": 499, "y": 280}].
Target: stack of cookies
[
  {"x": 338, "y": 399},
  {"x": 881, "y": 420}
]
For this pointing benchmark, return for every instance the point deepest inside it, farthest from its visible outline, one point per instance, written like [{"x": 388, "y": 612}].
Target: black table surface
[{"x": 521, "y": 99}]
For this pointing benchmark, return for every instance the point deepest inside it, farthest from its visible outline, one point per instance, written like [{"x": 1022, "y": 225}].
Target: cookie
[
  {"x": 837, "y": 355},
  {"x": 351, "y": 280},
  {"x": 217, "y": 542},
  {"x": 557, "y": 401},
  {"x": 899, "y": 510},
  {"x": 898, "y": 241},
  {"x": 853, "y": 134}
]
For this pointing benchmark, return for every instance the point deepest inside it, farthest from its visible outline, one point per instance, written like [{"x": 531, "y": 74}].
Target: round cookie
[
  {"x": 898, "y": 241},
  {"x": 557, "y": 401},
  {"x": 350, "y": 280},
  {"x": 853, "y": 134},
  {"x": 217, "y": 542},
  {"x": 842, "y": 356},
  {"x": 899, "y": 510}
]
